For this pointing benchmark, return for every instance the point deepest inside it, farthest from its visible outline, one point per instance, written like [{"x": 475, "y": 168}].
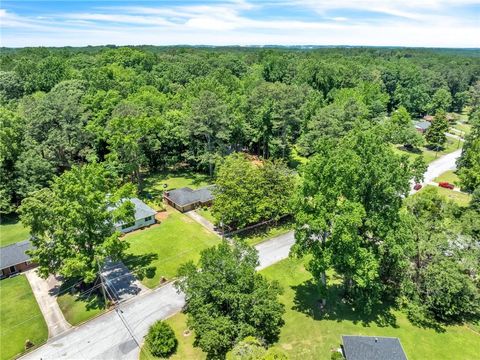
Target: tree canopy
[{"x": 227, "y": 300}]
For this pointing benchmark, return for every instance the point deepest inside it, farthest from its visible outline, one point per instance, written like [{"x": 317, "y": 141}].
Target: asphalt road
[
  {"x": 439, "y": 166},
  {"x": 107, "y": 337}
]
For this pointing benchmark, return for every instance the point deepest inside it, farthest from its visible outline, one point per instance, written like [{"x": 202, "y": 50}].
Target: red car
[
  {"x": 446, "y": 185},
  {"x": 417, "y": 187}
]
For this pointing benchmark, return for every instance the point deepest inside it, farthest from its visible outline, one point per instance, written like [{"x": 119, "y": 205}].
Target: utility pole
[{"x": 102, "y": 285}]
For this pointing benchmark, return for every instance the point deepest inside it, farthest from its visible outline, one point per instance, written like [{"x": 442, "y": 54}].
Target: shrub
[
  {"x": 161, "y": 340},
  {"x": 336, "y": 356}
]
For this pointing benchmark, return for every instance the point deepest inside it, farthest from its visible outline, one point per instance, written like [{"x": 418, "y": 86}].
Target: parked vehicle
[
  {"x": 417, "y": 186},
  {"x": 446, "y": 185}
]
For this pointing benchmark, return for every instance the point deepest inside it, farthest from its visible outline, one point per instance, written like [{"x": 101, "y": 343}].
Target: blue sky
[{"x": 431, "y": 23}]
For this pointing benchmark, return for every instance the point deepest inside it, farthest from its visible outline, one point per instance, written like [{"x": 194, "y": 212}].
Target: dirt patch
[
  {"x": 162, "y": 215},
  {"x": 287, "y": 346}
]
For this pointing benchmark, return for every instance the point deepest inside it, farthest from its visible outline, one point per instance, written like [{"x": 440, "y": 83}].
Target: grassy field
[
  {"x": 154, "y": 184},
  {"x": 448, "y": 176},
  {"x": 460, "y": 198},
  {"x": 207, "y": 214},
  {"x": 20, "y": 317},
  {"x": 12, "y": 231},
  {"x": 159, "y": 250},
  {"x": 465, "y": 128},
  {"x": 429, "y": 155},
  {"x": 78, "y": 309},
  {"x": 309, "y": 334}
]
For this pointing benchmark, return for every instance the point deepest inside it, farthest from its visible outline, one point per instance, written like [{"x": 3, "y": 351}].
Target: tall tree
[
  {"x": 226, "y": 300},
  {"x": 72, "y": 223},
  {"x": 400, "y": 129},
  {"x": 435, "y": 134},
  {"x": 469, "y": 162},
  {"x": 348, "y": 214},
  {"x": 208, "y": 124}
]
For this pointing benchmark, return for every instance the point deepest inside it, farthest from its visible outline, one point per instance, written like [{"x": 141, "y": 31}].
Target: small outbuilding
[
  {"x": 14, "y": 258},
  {"x": 144, "y": 216},
  {"x": 372, "y": 348},
  {"x": 186, "y": 199},
  {"x": 422, "y": 126}
]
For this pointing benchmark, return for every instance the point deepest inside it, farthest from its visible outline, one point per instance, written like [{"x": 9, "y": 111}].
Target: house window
[
  {"x": 13, "y": 269},
  {"x": 148, "y": 218}
]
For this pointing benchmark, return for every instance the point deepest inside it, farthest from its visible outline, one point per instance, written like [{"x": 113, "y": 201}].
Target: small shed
[
  {"x": 186, "y": 199},
  {"x": 372, "y": 348},
  {"x": 14, "y": 258}
]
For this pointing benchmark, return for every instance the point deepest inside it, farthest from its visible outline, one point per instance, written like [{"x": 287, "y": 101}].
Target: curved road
[{"x": 106, "y": 337}]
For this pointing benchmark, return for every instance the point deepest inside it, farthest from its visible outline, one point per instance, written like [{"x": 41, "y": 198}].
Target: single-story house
[
  {"x": 14, "y": 259},
  {"x": 422, "y": 126},
  {"x": 372, "y": 348},
  {"x": 144, "y": 216},
  {"x": 186, "y": 199}
]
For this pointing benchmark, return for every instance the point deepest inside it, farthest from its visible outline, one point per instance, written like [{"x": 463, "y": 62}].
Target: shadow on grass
[
  {"x": 9, "y": 219},
  {"x": 410, "y": 149},
  {"x": 89, "y": 294},
  {"x": 160, "y": 177},
  {"x": 307, "y": 297},
  {"x": 140, "y": 265}
]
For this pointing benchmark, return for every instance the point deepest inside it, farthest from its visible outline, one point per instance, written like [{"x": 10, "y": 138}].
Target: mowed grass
[
  {"x": 465, "y": 128},
  {"x": 185, "y": 349},
  {"x": 460, "y": 198},
  {"x": 428, "y": 154},
  {"x": 256, "y": 236},
  {"x": 78, "y": 308},
  {"x": 20, "y": 317},
  {"x": 207, "y": 214},
  {"x": 158, "y": 251},
  {"x": 12, "y": 231},
  {"x": 448, "y": 176},
  {"x": 308, "y": 334},
  {"x": 154, "y": 183}
]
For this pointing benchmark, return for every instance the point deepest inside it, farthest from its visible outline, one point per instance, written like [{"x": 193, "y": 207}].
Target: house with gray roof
[
  {"x": 144, "y": 216},
  {"x": 186, "y": 199},
  {"x": 14, "y": 258},
  {"x": 372, "y": 348},
  {"x": 422, "y": 126}
]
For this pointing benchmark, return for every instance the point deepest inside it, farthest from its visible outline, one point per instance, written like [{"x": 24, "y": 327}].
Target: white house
[{"x": 144, "y": 216}]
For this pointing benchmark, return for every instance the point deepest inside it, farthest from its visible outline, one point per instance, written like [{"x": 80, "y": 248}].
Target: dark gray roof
[
  {"x": 142, "y": 210},
  {"x": 14, "y": 254},
  {"x": 424, "y": 125},
  {"x": 186, "y": 196},
  {"x": 372, "y": 348}
]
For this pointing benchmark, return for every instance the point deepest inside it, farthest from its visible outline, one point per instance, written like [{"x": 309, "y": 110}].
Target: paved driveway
[
  {"x": 121, "y": 283},
  {"x": 45, "y": 292},
  {"x": 106, "y": 337}
]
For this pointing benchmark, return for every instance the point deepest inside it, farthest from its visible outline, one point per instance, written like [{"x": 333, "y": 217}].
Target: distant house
[
  {"x": 372, "y": 348},
  {"x": 429, "y": 118},
  {"x": 14, "y": 259},
  {"x": 144, "y": 216},
  {"x": 422, "y": 126},
  {"x": 186, "y": 199}
]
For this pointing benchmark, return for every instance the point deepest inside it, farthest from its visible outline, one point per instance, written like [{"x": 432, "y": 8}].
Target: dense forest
[{"x": 146, "y": 109}]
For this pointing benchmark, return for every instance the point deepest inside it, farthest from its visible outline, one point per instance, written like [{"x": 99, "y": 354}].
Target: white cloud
[{"x": 411, "y": 23}]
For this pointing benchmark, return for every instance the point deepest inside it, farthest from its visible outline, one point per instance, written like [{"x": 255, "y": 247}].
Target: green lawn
[
  {"x": 207, "y": 214},
  {"x": 308, "y": 334},
  {"x": 20, "y": 317},
  {"x": 159, "y": 250},
  {"x": 12, "y": 231},
  {"x": 429, "y": 155},
  {"x": 448, "y": 176},
  {"x": 185, "y": 349},
  {"x": 154, "y": 184},
  {"x": 462, "y": 199},
  {"x": 261, "y": 234},
  {"x": 465, "y": 128},
  {"x": 80, "y": 307}
]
